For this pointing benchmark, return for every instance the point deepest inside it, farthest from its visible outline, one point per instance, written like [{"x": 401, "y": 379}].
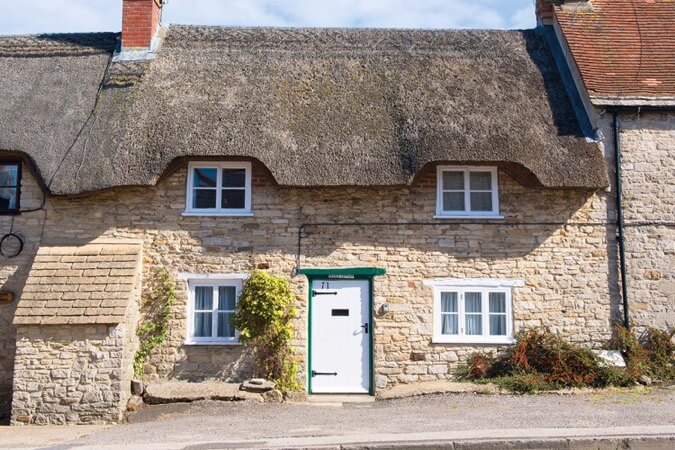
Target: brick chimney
[
  {"x": 544, "y": 11},
  {"x": 140, "y": 23}
]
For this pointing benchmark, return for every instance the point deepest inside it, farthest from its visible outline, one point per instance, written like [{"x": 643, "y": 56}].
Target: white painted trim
[
  {"x": 212, "y": 276},
  {"x": 447, "y": 216},
  {"x": 467, "y": 213},
  {"x": 485, "y": 287},
  {"x": 474, "y": 282},
  {"x": 198, "y": 214},
  {"x": 236, "y": 280},
  {"x": 229, "y": 343},
  {"x": 217, "y": 211}
]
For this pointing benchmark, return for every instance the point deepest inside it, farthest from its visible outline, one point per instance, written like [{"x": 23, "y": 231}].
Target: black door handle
[{"x": 365, "y": 327}]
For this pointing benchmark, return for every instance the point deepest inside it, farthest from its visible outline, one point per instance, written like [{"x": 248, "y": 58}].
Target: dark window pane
[
  {"x": 9, "y": 175},
  {"x": 453, "y": 201},
  {"x": 8, "y": 198},
  {"x": 203, "y": 297},
  {"x": 450, "y": 324},
  {"x": 204, "y": 198},
  {"x": 498, "y": 325},
  {"x": 202, "y": 325},
  {"x": 204, "y": 177},
  {"x": 234, "y": 199},
  {"x": 449, "y": 302},
  {"x": 234, "y": 177},
  {"x": 472, "y": 302},
  {"x": 481, "y": 201},
  {"x": 453, "y": 180},
  {"x": 497, "y": 302},
  {"x": 226, "y": 298},
  {"x": 474, "y": 324},
  {"x": 480, "y": 181},
  {"x": 226, "y": 325}
]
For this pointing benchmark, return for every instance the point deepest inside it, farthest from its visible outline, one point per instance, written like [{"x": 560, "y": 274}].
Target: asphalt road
[{"x": 208, "y": 425}]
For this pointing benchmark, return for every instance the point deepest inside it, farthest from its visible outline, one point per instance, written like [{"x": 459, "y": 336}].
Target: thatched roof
[{"x": 316, "y": 106}]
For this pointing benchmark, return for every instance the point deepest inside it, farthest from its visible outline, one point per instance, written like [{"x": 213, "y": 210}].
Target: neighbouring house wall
[
  {"x": 569, "y": 271},
  {"x": 70, "y": 374},
  {"x": 13, "y": 274},
  {"x": 648, "y": 179}
]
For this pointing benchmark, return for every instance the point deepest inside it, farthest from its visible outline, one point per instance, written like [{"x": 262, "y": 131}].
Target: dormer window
[
  {"x": 10, "y": 183},
  {"x": 467, "y": 192},
  {"x": 219, "y": 188}
]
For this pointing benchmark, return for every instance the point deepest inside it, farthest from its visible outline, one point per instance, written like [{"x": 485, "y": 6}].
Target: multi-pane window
[
  {"x": 211, "y": 311},
  {"x": 219, "y": 188},
  {"x": 467, "y": 192},
  {"x": 472, "y": 314},
  {"x": 10, "y": 180}
]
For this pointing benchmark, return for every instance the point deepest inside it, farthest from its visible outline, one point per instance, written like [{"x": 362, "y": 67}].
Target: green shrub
[
  {"x": 652, "y": 354},
  {"x": 525, "y": 383},
  {"x": 561, "y": 363},
  {"x": 660, "y": 350},
  {"x": 264, "y": 316},
  {"x": 615, "y": 376},
  {"x": 157, "y": 300}
]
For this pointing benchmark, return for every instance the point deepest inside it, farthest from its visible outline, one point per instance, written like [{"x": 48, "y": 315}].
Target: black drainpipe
[{"x": 619, "y": 219}]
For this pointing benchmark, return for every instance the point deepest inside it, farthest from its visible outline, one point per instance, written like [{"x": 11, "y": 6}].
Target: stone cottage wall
[
  {"x": 648, "y": 178},
  {"x": 568, "y": 270},
  {"x": 13, "y": 274},
  {"x": 70, "y": 374}
]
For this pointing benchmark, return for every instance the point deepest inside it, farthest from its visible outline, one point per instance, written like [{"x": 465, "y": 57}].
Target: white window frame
[
  {"x": 190, "y": 210},
  {"x": 485, "y": 287},
  {"x": 467, "y": 213},
  {"x": 237, "y": 283}
]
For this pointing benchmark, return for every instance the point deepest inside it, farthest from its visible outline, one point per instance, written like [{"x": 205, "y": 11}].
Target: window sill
[
  {"x": 446, "y": 216},
  {"x": 199, "y": 343},
  {"x": 216, "y": 214},
  {"x": 470, "y": 341}
]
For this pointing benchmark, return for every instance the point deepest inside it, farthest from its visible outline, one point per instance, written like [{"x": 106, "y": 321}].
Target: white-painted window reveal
[
  {"x": 467, "y": 192},
  {"x": 219, "y": 188},
  {"x": 473, "y": 311},
  {"x": 211, "y": 309}
]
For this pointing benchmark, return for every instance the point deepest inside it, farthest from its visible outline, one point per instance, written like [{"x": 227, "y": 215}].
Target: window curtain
[
  {"x": 473, "y": 312},
  {"x": 203, "y": 320},
  {"x": 449, "y": 313},
  {"x": 497, "y": 314},
  {"x": 226, "y": 303}
]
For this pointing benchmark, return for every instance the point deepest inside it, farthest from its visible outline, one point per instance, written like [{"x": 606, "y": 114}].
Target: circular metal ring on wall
[{"x": 11, "y": 245}]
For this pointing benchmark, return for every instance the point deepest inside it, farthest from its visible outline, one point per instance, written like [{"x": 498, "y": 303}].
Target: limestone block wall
[
  {"x": 569, "y": 270},
  {"x": 70, "y": 374},
  {"x": 648, "y": 178},
  {"x": 13, "y": 273}
]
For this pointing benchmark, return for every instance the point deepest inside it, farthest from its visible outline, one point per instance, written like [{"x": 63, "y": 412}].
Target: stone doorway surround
[{"x": 76, "y": 322}]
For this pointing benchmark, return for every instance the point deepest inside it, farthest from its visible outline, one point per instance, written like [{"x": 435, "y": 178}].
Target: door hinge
[
  {"x": 315, "y": 373},
  {"x": 324, "y": 292}
]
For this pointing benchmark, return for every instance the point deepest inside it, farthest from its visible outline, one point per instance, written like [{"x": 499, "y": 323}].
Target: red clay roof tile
[{"x": 623, "y": 48}]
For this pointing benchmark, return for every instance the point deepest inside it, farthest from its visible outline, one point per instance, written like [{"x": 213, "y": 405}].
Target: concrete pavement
[{"x": 614, "y": 419}]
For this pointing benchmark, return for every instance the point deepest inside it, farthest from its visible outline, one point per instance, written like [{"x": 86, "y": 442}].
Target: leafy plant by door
[
  {"x": 264, "y": 317},
  {"x": 157, "y": 300}
]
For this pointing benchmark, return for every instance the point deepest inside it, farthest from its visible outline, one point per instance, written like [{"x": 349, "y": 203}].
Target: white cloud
[
  {"x": 339, "y": 13},
  {"x": 36, "y": 16}
]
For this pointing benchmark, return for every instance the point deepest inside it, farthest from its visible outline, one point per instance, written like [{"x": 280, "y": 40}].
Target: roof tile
[
  {"x": 623, "y": 48},
  {"x": 61, "y": 295}
]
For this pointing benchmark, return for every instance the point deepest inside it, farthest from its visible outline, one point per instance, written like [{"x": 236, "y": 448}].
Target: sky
[{"x": 49, "y": 16}]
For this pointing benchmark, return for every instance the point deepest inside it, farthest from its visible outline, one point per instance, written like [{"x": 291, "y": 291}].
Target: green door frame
[{"x": 356, "y": 273}]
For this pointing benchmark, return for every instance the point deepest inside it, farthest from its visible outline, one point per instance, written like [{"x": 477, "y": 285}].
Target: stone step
[{"x": 178, "y": 391}]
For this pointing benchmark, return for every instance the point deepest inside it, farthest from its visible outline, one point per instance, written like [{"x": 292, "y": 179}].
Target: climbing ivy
[
  {"x": 264, "y": 317},
  {"x": 157, "y": 300}
]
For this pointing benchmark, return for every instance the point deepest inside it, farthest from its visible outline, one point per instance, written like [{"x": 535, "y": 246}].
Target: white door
[{"x": 340, "y": 336}]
